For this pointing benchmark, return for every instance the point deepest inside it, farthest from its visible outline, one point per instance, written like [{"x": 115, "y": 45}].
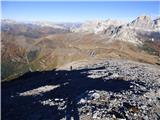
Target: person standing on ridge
[{"x": 70, "y": 68}]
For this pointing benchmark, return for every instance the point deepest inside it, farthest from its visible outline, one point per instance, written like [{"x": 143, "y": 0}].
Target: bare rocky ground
[{"x": 106, "y": 90}]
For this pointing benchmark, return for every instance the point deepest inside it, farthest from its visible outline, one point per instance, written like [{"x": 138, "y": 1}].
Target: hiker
[{"x": 70, "y": 67}]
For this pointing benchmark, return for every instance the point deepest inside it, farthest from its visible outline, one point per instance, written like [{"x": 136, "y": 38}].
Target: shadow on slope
[{"x": 71, "y": 84}]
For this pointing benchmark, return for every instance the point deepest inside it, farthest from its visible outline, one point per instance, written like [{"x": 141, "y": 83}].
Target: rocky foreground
[
  {"x": 108, "y": 90},
  {"x": 141, "y": 101}
]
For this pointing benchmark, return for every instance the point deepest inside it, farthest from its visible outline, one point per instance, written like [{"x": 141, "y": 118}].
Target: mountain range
[{"x": 40, "y": 45}]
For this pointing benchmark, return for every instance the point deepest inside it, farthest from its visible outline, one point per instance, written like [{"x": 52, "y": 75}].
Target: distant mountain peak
[
  {"x": 8, "y": 21},
  {"x": 144, "y": 17},
  {"x": 142, "y": 22}
]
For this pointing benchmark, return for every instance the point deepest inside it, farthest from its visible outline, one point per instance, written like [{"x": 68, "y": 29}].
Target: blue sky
[{"x": 78, "y": 11}]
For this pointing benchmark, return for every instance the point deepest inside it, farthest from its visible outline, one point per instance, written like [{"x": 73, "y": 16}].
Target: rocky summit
[{"x": 108, "y": 89}]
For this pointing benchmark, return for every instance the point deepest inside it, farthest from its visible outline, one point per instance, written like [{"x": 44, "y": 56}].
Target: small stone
[
  {"x": 131, "y": 86},
  {"x": 88, "y": 113},
  {"x": 145, "y": 118},
  {"x": 135, "y": 114},
  {"x": 56, "y": 99},
  {"x": 96, "y": 95},
  {"x": 91, "y": 91},
  {"x": 95, "y": 115},
  {"x": 114, "y": 116},
  {"x": 12, "y": 96},
  {"x": 82, "y": 101}
]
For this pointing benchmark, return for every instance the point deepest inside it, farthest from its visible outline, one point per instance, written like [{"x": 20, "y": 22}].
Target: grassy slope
[{"x": 56, "y": 50}]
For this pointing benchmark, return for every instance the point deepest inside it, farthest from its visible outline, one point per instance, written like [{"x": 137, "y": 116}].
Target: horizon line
[{"x": 45, "y": 20}]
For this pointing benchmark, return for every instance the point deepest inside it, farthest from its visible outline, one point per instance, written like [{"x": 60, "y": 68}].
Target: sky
[{"x": 78, "y": 11}]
